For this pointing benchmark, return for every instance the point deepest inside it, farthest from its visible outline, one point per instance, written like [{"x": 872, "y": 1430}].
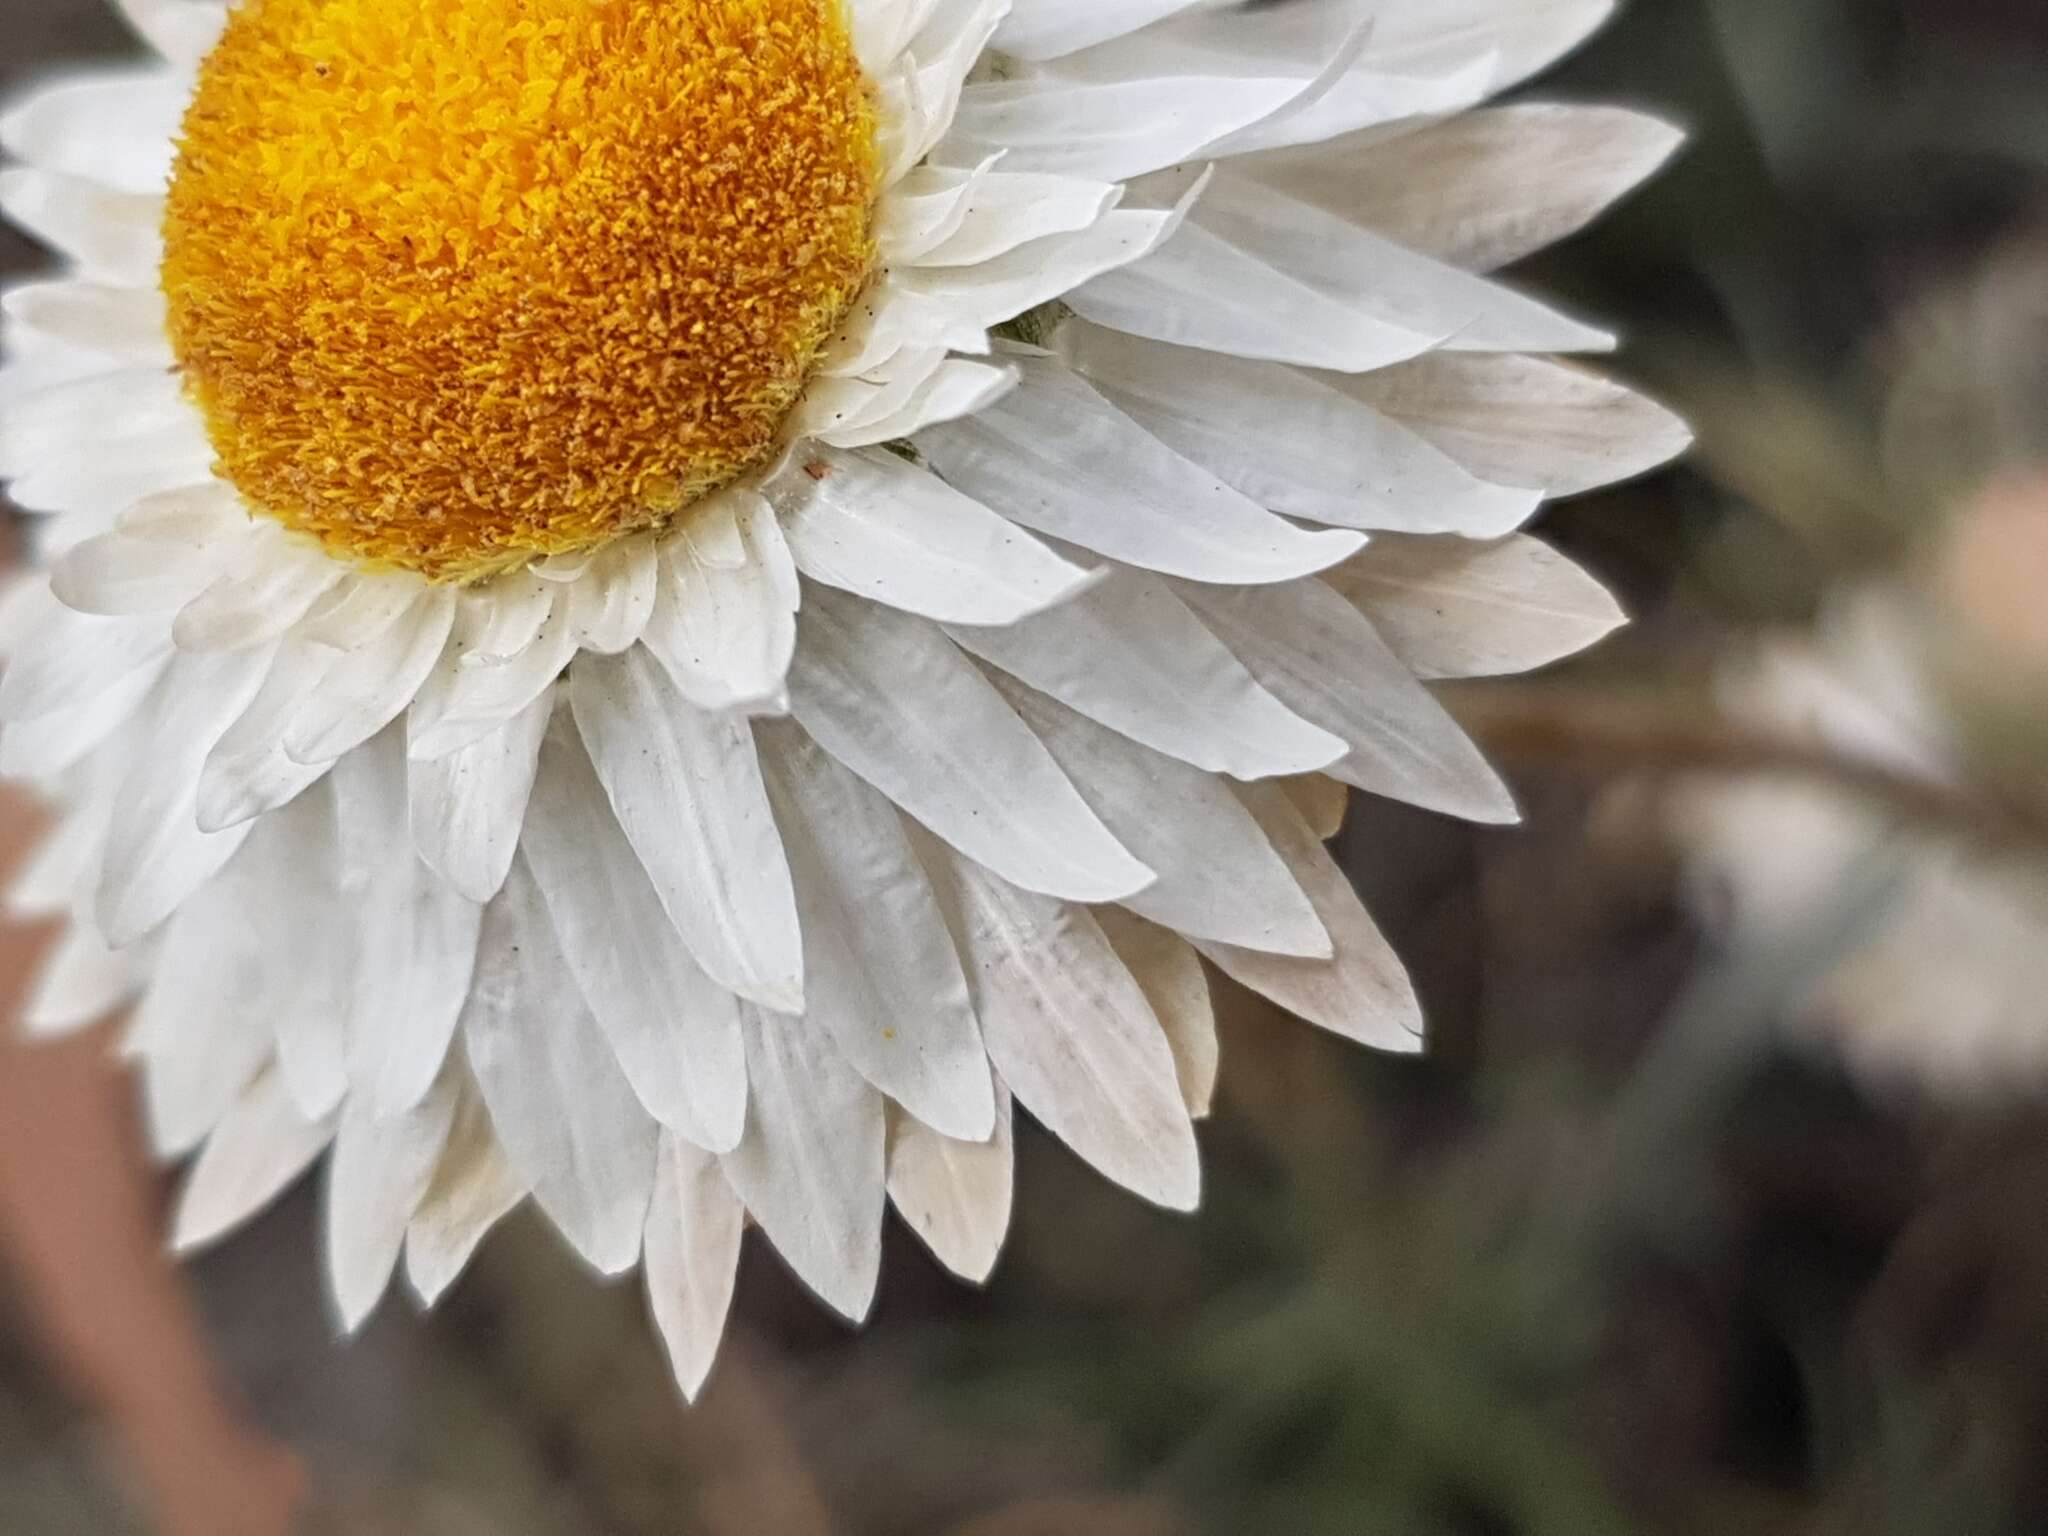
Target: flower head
[
  {"x": 668, "y": 608},
  {"x": 446, "y": 315}
]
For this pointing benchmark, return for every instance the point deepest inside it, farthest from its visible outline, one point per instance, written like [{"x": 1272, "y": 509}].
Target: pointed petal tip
[
  {"x": 352, "y": 1313},
  {"x": 691, "y": 1381},
  {"x": 782, "y": 995},
  {"x": 470, "y": 884},
  {"x": 1299, "y": 943},
  {"x": 973, "y": 1119},
  {"x": 427, "y": 1290},
  {"x": 424, "y": 743},
  {"x": 1130, "y": 879},
  {"x": 118, "y": 925},
  {"x": 719, "y": 1139},
  {"x": 606, "y": 1254},
  {"x": 1180, "y": 1186},
  {"x": 855, "y": 1304},
  {"x": 193, "y": 1229}
]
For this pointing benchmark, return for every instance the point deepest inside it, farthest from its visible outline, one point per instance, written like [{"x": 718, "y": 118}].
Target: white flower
[
  {"x": 1922, "y": 962},
  {"x": 663, "y": 607}
]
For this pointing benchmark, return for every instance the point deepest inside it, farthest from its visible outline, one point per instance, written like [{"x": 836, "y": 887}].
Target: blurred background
[{"x": 1721, "y": 1202}]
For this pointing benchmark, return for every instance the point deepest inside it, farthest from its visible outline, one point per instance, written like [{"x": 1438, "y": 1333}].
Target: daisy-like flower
[
  {"x": 670, "y": 607},
  {"x": 1924, "y": 955}
]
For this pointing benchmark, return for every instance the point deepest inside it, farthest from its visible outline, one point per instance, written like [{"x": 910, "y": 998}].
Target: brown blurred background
[{"x": 1643, "y": 1246}]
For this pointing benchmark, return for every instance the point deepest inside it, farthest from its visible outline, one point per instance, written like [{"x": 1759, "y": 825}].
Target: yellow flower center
[{"x": 458, "y": 283}]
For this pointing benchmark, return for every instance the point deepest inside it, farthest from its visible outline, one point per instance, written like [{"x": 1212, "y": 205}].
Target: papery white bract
[{"x": 759, "y": 865}]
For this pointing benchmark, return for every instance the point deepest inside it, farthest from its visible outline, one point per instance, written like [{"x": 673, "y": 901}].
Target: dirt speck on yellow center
[{"x": 458, "y": 283}]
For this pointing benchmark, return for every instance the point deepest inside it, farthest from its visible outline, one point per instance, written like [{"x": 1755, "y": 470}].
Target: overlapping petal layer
[{"x": 760, "y": 866}]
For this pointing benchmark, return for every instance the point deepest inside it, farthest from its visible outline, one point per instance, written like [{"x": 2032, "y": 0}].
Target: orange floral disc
[{"x": 458, "y": 283}]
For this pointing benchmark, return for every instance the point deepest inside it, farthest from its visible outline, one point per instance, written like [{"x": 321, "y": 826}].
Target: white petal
[
  {"x": 467, "y": 807},
  {"x": 566, "y": 568},
  {"x": 473, "y": 1189},
  {"x": 880, "y": 971},
  {"x": 1302, "y": 245},
  {"x": 1353, "y": 93},
  {"x": 1522, "y": 36},
  {"x": 183, "y": 31},
  {"x": 893, "y": 700},
  {"x": 613, "y": 600},
  {"x": 80, "y": 982},
  {"x": 882, "y": 29},
  {"x": 414, "y": 936},
  {"x": 198, "y": 515},
  {"x": 50, "y": 880},
  {"x": 1070, "y": 1031},
  {"x": 54, "y": 741},
  {"x": 724, "y": 631},
  {"x": 257, "y": 949},
  {"x": 1044, "y": 269},
  {"x": 713, "y": 529},
  {"x": 1322, "y": 657},
  {"x": 34, "y": 368},
  {"x": 676, "y": 1033},
  {"x": 379, "y": 1173},
  {"x": 1218, "y": 877},
  {"x": 300, "y": 982},
  {"x": 1007, "y": 209},
  {"x": 201, "y": 1039},
  {"x": 1106, "y": 131},
  {"x": 1294, "y": 441},
  {"x": 501, "y": 618},
  {"x": 846, "y": 410},
  {"x": 1481, "y": 190},
  {"x": 1219, "y": 40},
  {"x": 156, "y": 855},
  {"x": 69, "y": 657},
  {"x": 1049, "y": 28},
  {"x": 126, "y": 324},
  {"x": 810, "y": 1167},
  {"x": 115, "y": 573},
  {"x": 955, "y": 1194},
  {"x": 1322, "y": 801},
  {"x": 260, "y": 1146},
  {"x": 94, "y": 484},
  {"x": 474, "y": 688},
  {"x": 117, "y": 235},
  {"x": 1528, "y": 420},
  {"x": 270, "y": 583},
  {"x": 888, "y": 319},
  {"x": 359, "y": 608},
  {"x": 954, "y": 389},
  {"x": 130, "y": 413},
  {"x": 1057, "y": 457},
  {"x": 1170, "y": 972},
  {"x": 922, "y": 94},
  {"x": 873, "y": 525},
  {"x": 686, "y": 787},
  {"x": 248, "y": 771},
  {"x": 1339, "y": 81},
  {"x": 255, "y": 955},
  {"x": 922, "y": 211},
  {"x": 1199, "y": 291},
  {"x": 1130, "y": 655},
  {"x": 1449, "y": 608},
  {"x": 25, "y": 604},
  {"x": 693, "y": 1254},
  {"x": 369, "y": 688},
  {"x": 568, "y": 1121},
  {"x": 1363, "y": 993}
]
